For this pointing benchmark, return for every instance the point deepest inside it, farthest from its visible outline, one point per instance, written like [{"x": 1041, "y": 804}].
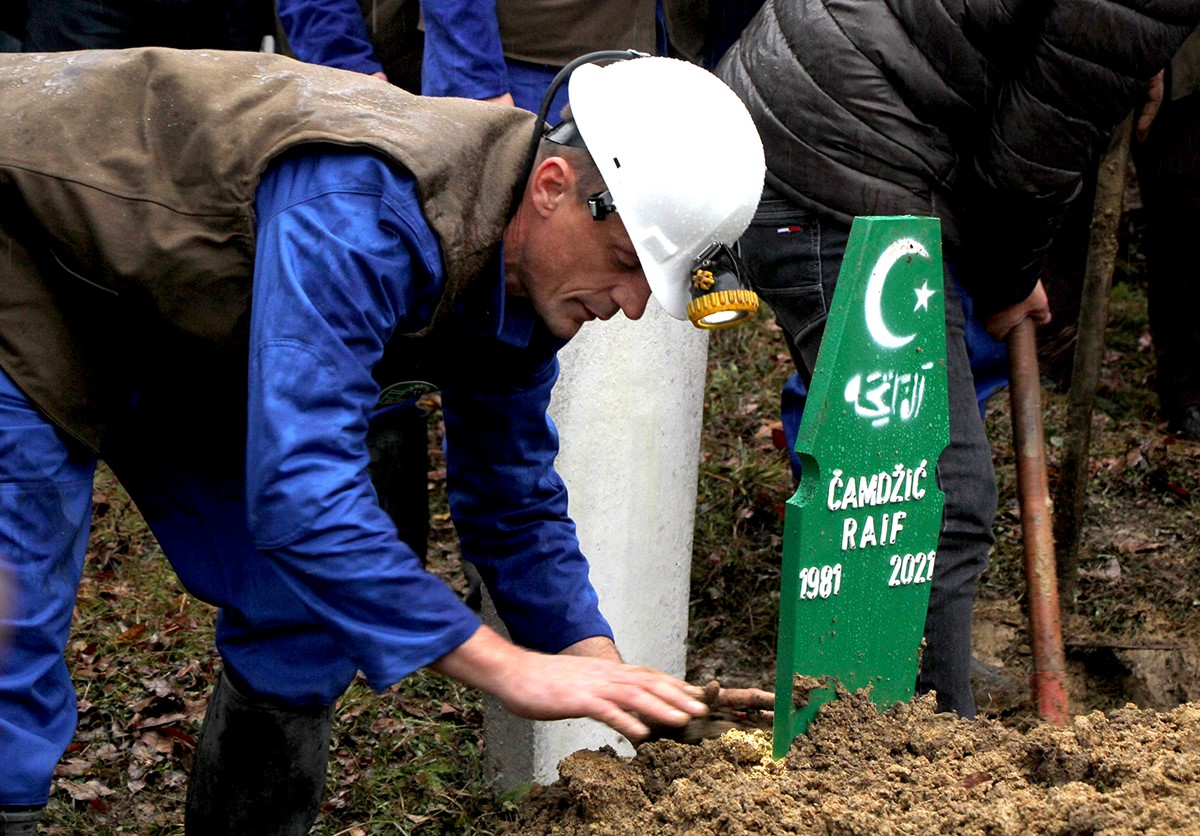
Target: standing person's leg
[
  {"x": 261, "y": 761},
  {"x": 1168, "y": 166},
  {"x": 45, "y": 511},
  {"x": 966, "y": 477},
  {"x": 793, "y": 259},
  {"x": 528, "y": 84}
]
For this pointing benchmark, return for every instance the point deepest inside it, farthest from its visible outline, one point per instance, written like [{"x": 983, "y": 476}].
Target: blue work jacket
[{"x": 345, "y": 262}]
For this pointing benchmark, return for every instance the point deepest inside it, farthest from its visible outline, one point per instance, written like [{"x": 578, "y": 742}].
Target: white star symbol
[{"x": 923, "y": 293}]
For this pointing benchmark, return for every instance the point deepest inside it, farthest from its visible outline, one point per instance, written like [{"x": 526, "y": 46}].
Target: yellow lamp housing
[
  {"x": 719, "y": 297},
  {"x": 722, "y": 308}
]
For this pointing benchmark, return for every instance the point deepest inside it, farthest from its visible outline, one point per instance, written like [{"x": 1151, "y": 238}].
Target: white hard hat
[{"x": 680, "y": 156}]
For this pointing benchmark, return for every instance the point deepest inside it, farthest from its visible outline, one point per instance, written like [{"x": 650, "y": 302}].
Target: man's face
[{"x": 572, "y": 267}]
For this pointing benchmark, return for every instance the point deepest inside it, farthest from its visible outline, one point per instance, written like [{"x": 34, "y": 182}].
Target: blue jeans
[
  {"x": 192, "y": 497},
  {"x": 793, "y": 259}
]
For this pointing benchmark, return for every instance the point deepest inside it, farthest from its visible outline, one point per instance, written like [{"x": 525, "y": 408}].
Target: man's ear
[{"x": 553, "y": 182}]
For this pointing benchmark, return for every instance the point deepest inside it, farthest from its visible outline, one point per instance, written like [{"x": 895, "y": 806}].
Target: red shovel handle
[{"x": 1029, "y": 445}]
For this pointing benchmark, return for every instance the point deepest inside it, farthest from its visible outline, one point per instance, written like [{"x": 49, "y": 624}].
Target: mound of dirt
[{"x": 908, "y": 770}]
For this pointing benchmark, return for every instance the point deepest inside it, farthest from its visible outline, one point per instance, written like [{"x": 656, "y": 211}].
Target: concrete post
[{"x": 628, "y": 405}]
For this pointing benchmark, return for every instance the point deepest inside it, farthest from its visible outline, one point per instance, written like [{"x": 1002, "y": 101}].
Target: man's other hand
[
  {"x": 1155, "y": 92},
  {"x": 1035, "y": 306},
  {"x": 505, "y": 99}
]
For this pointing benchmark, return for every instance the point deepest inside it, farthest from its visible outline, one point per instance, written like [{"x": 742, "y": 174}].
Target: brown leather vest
[{"x": 127, "y": 183}]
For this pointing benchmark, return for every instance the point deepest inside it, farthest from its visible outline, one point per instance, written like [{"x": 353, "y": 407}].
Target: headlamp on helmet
[{"x": 719, "y": 297}]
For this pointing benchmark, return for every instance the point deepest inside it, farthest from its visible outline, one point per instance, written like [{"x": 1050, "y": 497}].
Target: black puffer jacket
[{"x": 985, "y": 113}]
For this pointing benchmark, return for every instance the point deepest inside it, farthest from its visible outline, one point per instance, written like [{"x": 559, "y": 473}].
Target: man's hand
[
  {"x": 505, "y": 99},
  {"x": 1035, "y": 306},
  {"x": 1154, "y": 98},
  {"x": 540, "y": 686}
]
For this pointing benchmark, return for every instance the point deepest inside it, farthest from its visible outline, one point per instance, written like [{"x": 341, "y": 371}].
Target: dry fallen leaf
[
  {"x": 90, "y": 791},
  {"x": 1135, "y": 545}
]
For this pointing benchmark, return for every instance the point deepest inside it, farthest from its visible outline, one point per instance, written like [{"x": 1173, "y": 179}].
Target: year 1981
[{"x": 820, "y": 581}]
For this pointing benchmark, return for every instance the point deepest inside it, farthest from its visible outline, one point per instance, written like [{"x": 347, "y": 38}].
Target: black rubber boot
[
  {"x": 1187, "y": 423},
  {"x": 259, "y": 768},
  {"x": 19, "y": 822}
]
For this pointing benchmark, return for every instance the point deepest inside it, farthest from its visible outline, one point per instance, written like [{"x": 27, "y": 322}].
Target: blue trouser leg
[
  {"x": 45, "y": 510},
  {"x": 187, "y": 483},
  {"x": 185, "y": 471},
  {"x": 273, "y": 645},
  {"x": 260, "y": 763},
  {"x": 528, "y": 84},
  {"x": 792, "y": 398},
  {"x": 793, "y": 259}
]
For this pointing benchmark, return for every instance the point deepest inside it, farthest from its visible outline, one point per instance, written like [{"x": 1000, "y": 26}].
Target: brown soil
[
  {"x": 906, "y": 771},
  {"x": 1127, "y": 762}
]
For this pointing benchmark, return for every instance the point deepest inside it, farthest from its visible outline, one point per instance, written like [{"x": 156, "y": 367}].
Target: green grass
[{"x": 410, "y": 761}]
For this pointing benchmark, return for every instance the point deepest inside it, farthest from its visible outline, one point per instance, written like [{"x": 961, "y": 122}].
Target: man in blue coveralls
[{"x": 213, "y": 276}]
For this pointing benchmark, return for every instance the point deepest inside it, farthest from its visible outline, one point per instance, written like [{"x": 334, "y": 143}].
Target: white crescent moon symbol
[{"x": 875, "y": 324}]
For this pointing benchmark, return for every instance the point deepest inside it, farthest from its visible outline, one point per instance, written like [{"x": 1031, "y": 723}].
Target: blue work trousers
[{"x": 191, "y": 494}]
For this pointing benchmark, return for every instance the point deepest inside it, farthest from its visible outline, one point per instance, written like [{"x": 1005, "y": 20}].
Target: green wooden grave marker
[{"x": 861, "y": 531}]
